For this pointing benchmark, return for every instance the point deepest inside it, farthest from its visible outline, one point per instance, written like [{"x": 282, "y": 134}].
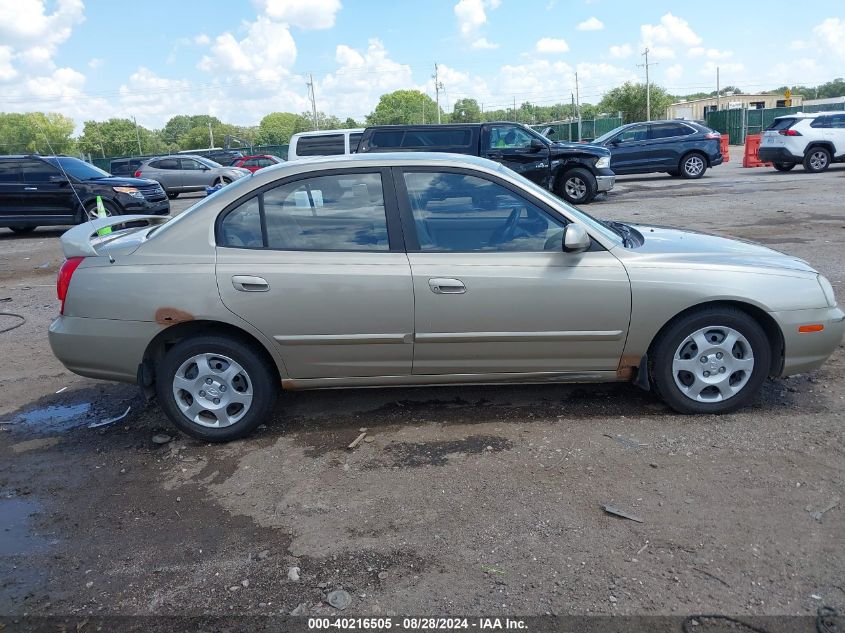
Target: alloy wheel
[
  {"x": 694, "y": 165},
  {"x": 575, "y": 187},
  {"x": 818, "y": 160}
]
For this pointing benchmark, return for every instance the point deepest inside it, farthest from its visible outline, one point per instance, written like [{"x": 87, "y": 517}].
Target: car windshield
[
  {"x": 606, "y": 136},
  {"x": 586, "y": 219},
  {"x": 79, "y": 169}
]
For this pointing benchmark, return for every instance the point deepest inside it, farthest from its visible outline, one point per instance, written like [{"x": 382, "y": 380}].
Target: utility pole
[
  {"x": 313, "y": 99},
  {"x": 514, "y": 110},
  {"x": 647, "y": 85},
  {"x": 210, "y": 135},
  {"x": 578, "y": 106},
  {"x": 137, "y": 136},
  {"x": 718, "y": 94},
  {"x": 569, "y": 127},
  {"x": 438, "y": 86}
]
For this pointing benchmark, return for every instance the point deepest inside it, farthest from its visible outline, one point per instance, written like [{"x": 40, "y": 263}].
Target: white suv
[
  {"x": 324, "y": 143},
  {"x": 816, "y": 140}
]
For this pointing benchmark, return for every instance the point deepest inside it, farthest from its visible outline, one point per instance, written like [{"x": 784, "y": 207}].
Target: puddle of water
[
  {"x": 16, "y": 537},
  {"x": 55, "y": 417}
]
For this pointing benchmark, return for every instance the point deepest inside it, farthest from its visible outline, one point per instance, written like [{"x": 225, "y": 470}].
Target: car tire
[
  {"x": 91, "y": 210},
  {"x": 233, "y": 386},
  {"x": 172, "y": 195},
  {"x": 692, "y": 166},
  {"x": 725, "y": 376},
  {"x": 783, "y": 166},
  {"x": 817, "y": 159},
  {"x": 577, "y": 186},
  {"x": 674, "y": 173},
  {"x": 23, "y": 230},
  {"x": 222, "y": 181}
]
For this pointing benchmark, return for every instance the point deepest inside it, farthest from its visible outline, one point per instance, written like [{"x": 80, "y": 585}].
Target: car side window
[
  {"x": 670, "y": 130},
  {"x": 37, "y": 171},
  {"x": 321, "y": 145},
  {"x": 191, "y": 164},
  {"x": 822, "y": 121},
  {"x": 837, "y": 121},
  {"x": 241, "y": 228},
  {"x": 634, "y": 133},
  {"x": 462, "y": 213},
  {"x": 165, "y": 163},
  {"x": 10, "y": 171},
  {"x": 509, "y": 137}
]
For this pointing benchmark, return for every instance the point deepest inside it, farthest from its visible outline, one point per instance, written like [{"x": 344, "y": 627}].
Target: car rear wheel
[
  {"x": 783, "y": 166},
  {"x": 216, "y": 389},
  {"x": 713, "y": 360},
  {"x": 23, "y": 230},
  {"x": 817, "y": 159},
  {"x": 577, "y": 186},
  {"x": 693, "y": 166}
]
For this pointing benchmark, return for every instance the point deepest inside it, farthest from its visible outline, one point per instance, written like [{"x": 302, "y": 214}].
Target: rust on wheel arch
[{"x": 169, "y": 316}]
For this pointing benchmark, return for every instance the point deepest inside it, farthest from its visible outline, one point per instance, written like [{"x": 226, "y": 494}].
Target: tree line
[{"x": 48, "y": 133}]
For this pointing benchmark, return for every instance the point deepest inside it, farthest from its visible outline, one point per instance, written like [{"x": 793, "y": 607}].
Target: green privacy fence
[
  {"x": 740, "y": 122},
  {"x": 590, "y": 129},
  {"x": 277, "y": 150}
]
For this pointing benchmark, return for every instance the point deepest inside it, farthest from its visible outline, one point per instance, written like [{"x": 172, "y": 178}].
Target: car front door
[
  {"x": 494, "y": 291},
  {"x": 668, "y": 143},
  {"x": 629, "y": 150},
  {"x": 46, "y": 190},
  {"x": 195, "y": 175},
  {"x": 512, "y": 146},
  {"x": 317, "y": 263}
]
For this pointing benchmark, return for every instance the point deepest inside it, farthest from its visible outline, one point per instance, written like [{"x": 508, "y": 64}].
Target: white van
[{"x": 324, "y": 143}]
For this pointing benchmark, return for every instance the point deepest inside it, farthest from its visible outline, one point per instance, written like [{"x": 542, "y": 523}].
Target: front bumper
[
  {"x": 101, "y": 348},
  {"x": 135, "y": 206},
  {"x": 805, "y": 352},
  {"x": 777, "y": 155},
  {"x": 605, "y": 183}
]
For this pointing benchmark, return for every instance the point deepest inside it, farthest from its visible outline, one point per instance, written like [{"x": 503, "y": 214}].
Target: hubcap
[
  {"x": 575, "y": 187},
  {"x": 818, "y": 160},
  {"x": 694, "y": 165},
  {"x": 92, "y": 213},
  {"x": 212, "y": 390},
  {"x": 713, "y": 364}
]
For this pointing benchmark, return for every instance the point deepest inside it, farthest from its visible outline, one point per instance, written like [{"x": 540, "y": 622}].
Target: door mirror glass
[{"x": 575, "y": 238}]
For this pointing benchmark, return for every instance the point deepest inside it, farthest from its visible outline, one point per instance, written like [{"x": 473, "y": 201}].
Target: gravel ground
[{"x": 466, "y": 500}]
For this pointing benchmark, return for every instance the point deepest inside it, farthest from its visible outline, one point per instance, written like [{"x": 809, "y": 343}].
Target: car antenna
[{"x": 67, "y": 177}]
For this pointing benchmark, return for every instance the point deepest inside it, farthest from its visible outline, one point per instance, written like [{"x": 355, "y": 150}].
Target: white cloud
[
  {"x": 831, "y": 32},
  {"x": 471, "y": 16},
  {"x": 7, "y": 71},
  {"x": 725, "y": 69},
  {"x": 95, "y": 62},
  {"x": 621, "y": 52},
  {"x": 551, "y": 45},
  {"x": 674, "y": 73},
  {"x": 202, "y": 39},
  {"x": 483, "y": 43},
  {"x": 591, "y": 24},
  {"x": 306, "y": 14},
  {"x": 268, "y": 50},
  {"x": 661, "y": 52},
  {"x": 669, "y": 32}
]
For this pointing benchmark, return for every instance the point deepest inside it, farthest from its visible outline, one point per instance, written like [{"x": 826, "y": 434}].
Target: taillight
[
  {"x": 712, "y": 135},
  {"x": 789, "y": 133},
  {"x": 137, "y": 173},
  {"x": 63, "y": 280}
]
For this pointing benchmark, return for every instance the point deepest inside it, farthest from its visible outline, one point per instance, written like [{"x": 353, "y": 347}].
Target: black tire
[
  {"x": 577, "y": 186},
  {"x": 91, "y": 210},
  {"x": 693, "y": 165},
  {"x": 257, "y": 374},
  {"x": 222, "y": 181},
  {"x": 715, "y": 321},
  {"x": 783, "y": 166},
  {"x": 817, "y": 159},
  {"x": 23, "y": 230},
  {"x": 173, "y": 195},
  {"x": 674, "y": 173}
]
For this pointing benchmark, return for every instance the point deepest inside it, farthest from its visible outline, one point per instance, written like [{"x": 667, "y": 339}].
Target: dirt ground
[{"x": 467, "y": 500}]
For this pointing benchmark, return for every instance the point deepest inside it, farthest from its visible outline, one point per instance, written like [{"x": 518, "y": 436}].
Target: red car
[{"x": 257, "y": 161}]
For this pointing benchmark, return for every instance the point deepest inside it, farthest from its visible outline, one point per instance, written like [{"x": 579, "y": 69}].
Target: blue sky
[{"x": 240, "y": 59}]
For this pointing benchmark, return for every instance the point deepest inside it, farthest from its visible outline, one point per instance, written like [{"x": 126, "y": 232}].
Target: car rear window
[
  {"x": 322, "y": 145},
  {"x": 436, "y": 138},
  {"x": 782, "y": 124},
  {"x": 354, "y": 139}
]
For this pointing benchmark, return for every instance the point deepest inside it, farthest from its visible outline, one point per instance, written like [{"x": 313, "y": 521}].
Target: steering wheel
[{"x": 506, "y": 233}]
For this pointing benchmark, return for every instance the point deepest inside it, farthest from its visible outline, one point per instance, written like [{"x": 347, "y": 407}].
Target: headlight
[
  {"x": 827, "y": 289},
  {"x": 132, "y": 191},
  {"x": 603, "y": 162}
]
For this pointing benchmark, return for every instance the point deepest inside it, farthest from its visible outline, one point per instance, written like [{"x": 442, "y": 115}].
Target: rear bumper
[
  {"x": 777, "y": 155},
  {"x": 718, "y": 159},
  {"x": 805, "y": 352},
  {"x": 605, "y": 183},
  {"x": 101, "y": 348}
]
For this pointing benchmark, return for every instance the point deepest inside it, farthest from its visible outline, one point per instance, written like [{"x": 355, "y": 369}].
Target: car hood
[
  {"x": 120, "y": 181},
  {"x": 670, "y": 245},
  {"x": 564, "y": 147}
]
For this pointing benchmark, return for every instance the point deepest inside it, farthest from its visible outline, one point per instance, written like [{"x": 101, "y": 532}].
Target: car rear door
[
  {"x": 317, "y": 263},
  {"x": 494, "y": 291},
  {"x": 511, "y": 146},
  {"x": 668, "y": 142},
  {"x": 837, "y": 134},
  {"x": 630, "y": 150},
  {"x": 11, "y": 200},
  {"x": 166, "y": 171}
]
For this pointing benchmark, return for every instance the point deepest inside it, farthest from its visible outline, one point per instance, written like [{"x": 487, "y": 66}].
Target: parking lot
[{"x": 461, "y": 500}]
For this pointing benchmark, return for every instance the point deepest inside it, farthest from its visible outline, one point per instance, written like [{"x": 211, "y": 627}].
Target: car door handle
[
  {"x": 30, "y": 188},
  {"x": 248, "y": 283},
  {"x": 440, "y": 286}
]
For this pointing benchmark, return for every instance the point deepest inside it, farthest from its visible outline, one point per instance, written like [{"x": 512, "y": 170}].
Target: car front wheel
[
  {"x": 693, "y": 166},
  {"x": 92, "y": 214},
  {"x": 216, "y": 389},
  {"x": 713, "y": 360},
  {"x": 577, "y": 186}
]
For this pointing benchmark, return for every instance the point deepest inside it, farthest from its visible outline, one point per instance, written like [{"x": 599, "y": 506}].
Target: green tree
[
  {"x": 277, "y": 127},
  {"x": 630, "y": 100},
  {"x": 351, "y": 123},
  {"x": 44, "y": 133},
  {"x": 117, "y": 137},
  {"x": 466, "y": 111},
  {"x": 404, "y": 107}
]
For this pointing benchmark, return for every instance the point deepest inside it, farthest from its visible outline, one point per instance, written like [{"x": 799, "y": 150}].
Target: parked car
[
  {"x": 324, "y": 143},
  {"x": 679, "y": 148},
  {"x": 54, "y": 190},
  {"x": 257, "y": 161},
  {"x": 182, "y": 173},
  {"x": 424, "y": 269},
  {"x": 219, "y": 155},
  {"x": 816, "y": 140},
  {"x": 574, "y": 171},
  {"x": 125, "y": 166}
]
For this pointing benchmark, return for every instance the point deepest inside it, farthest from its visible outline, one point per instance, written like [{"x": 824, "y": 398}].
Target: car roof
[
  {"x": 808, "y": 115},
  {"x": 387, "y": 159},
  {"x": 326, "y": 132}
]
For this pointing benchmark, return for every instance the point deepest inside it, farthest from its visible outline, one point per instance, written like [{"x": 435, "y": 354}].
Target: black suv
[
  {"x": 574, "y": 171},
  {"x": 52, "y": 190}
]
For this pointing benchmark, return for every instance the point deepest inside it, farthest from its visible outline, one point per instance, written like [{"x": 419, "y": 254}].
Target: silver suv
[
  {"x": 180, "y": 174},
  {"x": 816, "y": 140}
]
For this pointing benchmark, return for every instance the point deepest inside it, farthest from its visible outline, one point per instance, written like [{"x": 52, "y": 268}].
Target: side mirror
[
  {"x": 536, "y": 145},
  {"x": 58, "y": 180},
  {"x": 614, "y": 141},
  {"x": 575, "y": 238}
]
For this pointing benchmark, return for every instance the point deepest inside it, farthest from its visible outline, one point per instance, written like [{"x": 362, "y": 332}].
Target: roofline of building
[{"x": 728, "y": 97}]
